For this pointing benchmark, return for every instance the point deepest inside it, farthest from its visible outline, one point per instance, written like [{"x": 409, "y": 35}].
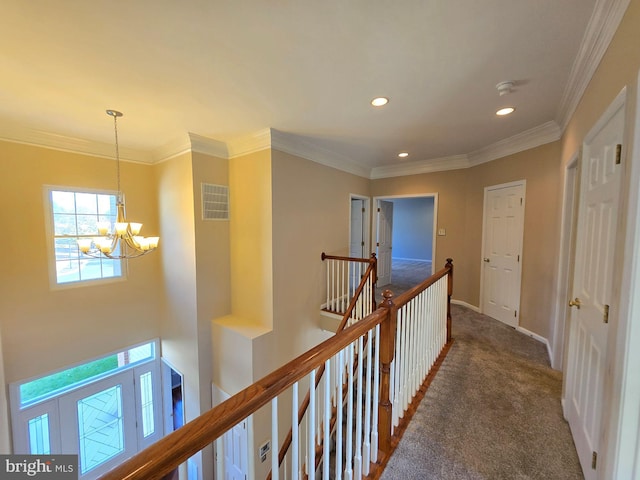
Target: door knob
[
  {"x": 487, "y": 260},
  {"x": 575, "y": 303}
]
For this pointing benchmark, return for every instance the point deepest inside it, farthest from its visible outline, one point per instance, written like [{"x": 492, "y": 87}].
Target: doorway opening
[{"x": 404, "y": 240}]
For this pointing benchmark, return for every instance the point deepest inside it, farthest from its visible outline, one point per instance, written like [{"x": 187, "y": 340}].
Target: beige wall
[
  {"x": 251, "y": 238},
  {"x": 460, "y": 210},
  {"x": 311, "y": 208}
]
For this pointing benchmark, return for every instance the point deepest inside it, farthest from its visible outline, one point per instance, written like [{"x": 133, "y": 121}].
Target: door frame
[
  {"x": 622, "y": 421},
  {"x": 614, "y": 425},
  {"x": 568, "y": 225},
  {"x": 366, "y": 220},
  {"x": 522, "y": 182},
  {"x": 374, "y": 226}
]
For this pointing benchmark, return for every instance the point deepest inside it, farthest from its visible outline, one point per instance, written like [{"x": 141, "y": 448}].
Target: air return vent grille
[{"x": 215, "y": 202}]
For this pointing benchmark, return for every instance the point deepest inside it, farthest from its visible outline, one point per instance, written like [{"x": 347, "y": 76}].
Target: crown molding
[
  {"x": 251, "y": 143},
  {"x": 604, "y": 21},
  {"x": 301, "y": 147},
  {"x": 454, "y": 162},
  {"x": 64, "y": 143},
  {"x": 534, "y": 137}
]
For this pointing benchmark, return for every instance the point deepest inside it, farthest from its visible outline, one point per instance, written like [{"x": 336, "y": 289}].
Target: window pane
[
  {"x": 86, "y": 203},
  {"x": 63, "y": 202},
  {"x": 91, "y": 268},
  {"x": 68, "y": 271},
  {"x": 39, "y": 443},
  {"x": 45, "y": 387},
  {"x": 107, "y": 205},
  {"x": 111, "y": 268},
  {"x": 64, "y": 224},
  {"x": 146, "y": 395},
  {"x": 87, "y": 224},
  {"x": 76, "y": 214},
  {"x": 100, "y": 427}
]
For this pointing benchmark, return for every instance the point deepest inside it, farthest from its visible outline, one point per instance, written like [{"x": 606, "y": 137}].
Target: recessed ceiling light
[
  {"x": 403, "y": 154},
  {"x": 505, "y": 111},
  {"x": 379, "y": 101}
]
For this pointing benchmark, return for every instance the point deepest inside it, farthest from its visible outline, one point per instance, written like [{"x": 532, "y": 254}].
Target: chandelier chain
[{"x": 115, "y": 128}]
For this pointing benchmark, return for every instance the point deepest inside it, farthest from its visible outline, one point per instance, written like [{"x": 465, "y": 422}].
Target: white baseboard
[
  {"x": 465, "y": 304},
  {"x": 540, "y": 338},
  {"x": 412, "y": 259}
]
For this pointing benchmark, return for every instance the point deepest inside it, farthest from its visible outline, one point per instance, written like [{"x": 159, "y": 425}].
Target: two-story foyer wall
[{"x": 45, "y": 328}]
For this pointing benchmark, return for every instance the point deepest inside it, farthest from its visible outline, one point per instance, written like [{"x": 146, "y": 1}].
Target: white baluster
[
  {"x": 340, "y": 377},
  {"x": 311, "y": 442},
  {"x": 357, "y": 462},
  {"x": 295, "y": 451},
  {"x": 348, "y": 472},
  {"x": 366, "y": 451},
  {"x": 376, "y": 397},
  {"x": 327, "y": 421},
  {"x": 275, "y": 467}
]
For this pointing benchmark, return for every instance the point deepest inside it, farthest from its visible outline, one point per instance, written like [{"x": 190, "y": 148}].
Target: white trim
[
  {"x": 374, "y": 222},
  {"x": 465, "y": 304},
  {"x": 623, "y": 451},
  {"x": 605, "y": 19},
  {"x": 534, "y": 137},
  {"x": 455, "y": 162},
  {"x": 516, "y": 183},
  {"x": 537, "y": 337},
  {"x": 254, "y": 142},
  {"x": 305, "y": 148},
  {"x": 567, "y": 224}
]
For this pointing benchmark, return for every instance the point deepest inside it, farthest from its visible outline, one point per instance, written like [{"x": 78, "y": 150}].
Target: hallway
[{"x": 492, "y": 412}]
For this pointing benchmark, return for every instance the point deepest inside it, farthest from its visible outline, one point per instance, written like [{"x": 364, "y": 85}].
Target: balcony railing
[{"x": 374, "y": 370}]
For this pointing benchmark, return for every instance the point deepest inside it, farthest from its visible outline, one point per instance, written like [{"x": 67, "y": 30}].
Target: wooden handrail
[
  {"x": 371, "y": 270},
  {"x": 169, "y": 452},
  {"x": 325, "y": 256}
]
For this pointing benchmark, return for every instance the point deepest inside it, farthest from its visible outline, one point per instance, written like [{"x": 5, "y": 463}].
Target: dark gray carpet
[
  {"x": 492, "y": 412},
  {"x": 405, "y": 274}
]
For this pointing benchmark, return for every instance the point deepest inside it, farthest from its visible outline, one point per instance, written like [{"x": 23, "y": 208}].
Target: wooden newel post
[
  {"x": 449, "y": 265},
  {"x": 387, "y": 349}
]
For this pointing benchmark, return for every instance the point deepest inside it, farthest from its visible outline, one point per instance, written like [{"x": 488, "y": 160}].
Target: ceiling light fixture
[
  {"x": 121, "y": 240},
  {"x": 403, "y": 154},
  {"x": 505, "y": 111},
  {"x": 379, "y": 101}
]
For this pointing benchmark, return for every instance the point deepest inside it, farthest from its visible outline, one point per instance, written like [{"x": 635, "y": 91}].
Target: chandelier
[{"x": 123, "y": 239}]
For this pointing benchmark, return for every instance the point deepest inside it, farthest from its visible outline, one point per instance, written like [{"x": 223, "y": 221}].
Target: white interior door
[
  {"x": 357, "y": 240},
  {"x": 236, "y": 463},
  {"x": 502, "y": 249},
  {"x": 383, "y": 244},
  {"x": 592, "y": 290}
]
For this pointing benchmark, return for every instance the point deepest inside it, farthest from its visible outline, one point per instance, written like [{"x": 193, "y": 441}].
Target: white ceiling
[{"x": 308, "y": 69}]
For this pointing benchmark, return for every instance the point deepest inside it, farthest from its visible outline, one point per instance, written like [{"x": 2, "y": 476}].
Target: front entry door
[
  {"x": 592, "y": 290},
  {"x": 383, "y": 250},
  {"x": 502, "y": 249}
]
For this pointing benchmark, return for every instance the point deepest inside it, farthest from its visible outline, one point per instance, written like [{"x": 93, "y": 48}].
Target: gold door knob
[{"x": 575, "y": 303}]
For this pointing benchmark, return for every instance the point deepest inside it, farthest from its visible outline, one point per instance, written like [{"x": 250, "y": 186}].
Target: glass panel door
[
  {"x": 102, "y": 424},
  {"x": 100, "y": 427}
]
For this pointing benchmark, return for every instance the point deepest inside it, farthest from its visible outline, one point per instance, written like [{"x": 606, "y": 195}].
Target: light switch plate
[{"x": 442, "y": 232}]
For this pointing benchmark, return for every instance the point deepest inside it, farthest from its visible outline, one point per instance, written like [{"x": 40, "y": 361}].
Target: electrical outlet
[{"x": 264, "y": 449}]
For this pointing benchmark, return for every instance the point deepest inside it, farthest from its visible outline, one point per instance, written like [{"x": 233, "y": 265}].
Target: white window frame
[{"x": 50, "y": 236}]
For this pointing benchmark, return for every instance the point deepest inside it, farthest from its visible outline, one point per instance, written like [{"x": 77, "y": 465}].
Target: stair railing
[
  {"x": 344, "y": 275},
  {"x": 397, "y": 332}
]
